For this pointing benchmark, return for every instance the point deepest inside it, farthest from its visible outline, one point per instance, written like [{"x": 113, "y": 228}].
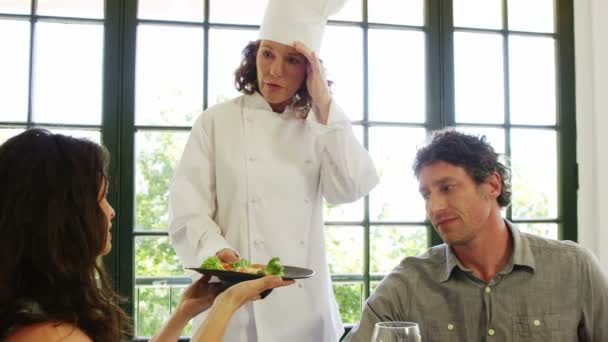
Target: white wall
[{"x": 591, "y": 53}]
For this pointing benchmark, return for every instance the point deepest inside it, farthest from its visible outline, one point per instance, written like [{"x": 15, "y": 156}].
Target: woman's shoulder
[
  {"x": 48, "y": 331},
  {"x": 227, "y": 105},
  {"x": 220, "y": 110}
]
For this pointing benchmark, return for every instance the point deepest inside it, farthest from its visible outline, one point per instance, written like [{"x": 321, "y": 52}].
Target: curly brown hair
[
  {"x": 246, "y": 78},
  {"x": 473, "y": 153},
  {"x": 53, "y": 232}
]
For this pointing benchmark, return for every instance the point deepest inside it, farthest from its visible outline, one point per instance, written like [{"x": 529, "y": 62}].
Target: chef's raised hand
[
  {"x": 315, "y": 81},
  {"x": 228, "y": 255}
]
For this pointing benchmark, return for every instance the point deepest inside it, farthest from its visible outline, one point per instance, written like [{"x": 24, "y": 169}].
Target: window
[
  {"x": 51, "y": 67},
  {"x": 135, "y": 75}
]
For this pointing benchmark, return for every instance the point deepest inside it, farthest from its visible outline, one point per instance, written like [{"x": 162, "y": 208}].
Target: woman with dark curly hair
[
  {"x": 55, "y": 223},
  {"x": 255, "y": 170}
]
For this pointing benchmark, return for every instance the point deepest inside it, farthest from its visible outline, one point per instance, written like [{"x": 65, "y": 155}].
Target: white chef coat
[{"x": 253, "y": 180}]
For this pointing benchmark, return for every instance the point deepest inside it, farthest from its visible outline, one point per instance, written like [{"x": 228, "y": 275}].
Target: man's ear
[{"x": 494, "y": 182}]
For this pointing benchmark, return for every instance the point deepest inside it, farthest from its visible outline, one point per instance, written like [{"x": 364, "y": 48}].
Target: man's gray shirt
[{"x": 549, "y": 291}]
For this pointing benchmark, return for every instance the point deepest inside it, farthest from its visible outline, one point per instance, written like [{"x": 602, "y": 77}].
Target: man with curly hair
[{"x": 489, "y": 281}]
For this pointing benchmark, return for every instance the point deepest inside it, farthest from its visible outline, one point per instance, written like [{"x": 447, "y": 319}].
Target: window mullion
[
  {"x": 125, "y": 155},
  {"x": 566, "y": 121},
  {"x": 109, "y": 114}
]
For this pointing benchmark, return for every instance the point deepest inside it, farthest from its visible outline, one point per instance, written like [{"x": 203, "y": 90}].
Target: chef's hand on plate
[{"x": 228, "y": 255}]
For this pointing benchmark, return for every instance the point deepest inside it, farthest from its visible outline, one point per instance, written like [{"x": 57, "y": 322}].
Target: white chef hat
[{"x": 286, "y": 21}]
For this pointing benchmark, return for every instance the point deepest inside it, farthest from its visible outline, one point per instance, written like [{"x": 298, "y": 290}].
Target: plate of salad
[{"x": 242, "y": 270}]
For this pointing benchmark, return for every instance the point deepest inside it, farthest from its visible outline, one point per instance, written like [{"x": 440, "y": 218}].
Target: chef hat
[{"x": 286, "y": 21}]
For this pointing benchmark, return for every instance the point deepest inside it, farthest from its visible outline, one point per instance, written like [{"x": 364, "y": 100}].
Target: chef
[{"x": 254, "y": 172}]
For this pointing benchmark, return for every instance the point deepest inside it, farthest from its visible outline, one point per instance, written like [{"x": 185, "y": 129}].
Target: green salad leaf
[
  {"x": 241, "y": 263},
  {"x": 212, "y": 263},
  {"x": 274, "y": 267}
]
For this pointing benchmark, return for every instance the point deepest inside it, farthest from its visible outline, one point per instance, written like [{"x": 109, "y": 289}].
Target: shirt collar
[
  {"x": 522, "y": 255},
  {"x": 451, "y": 261},
  {"x": 257, "y": 101}
]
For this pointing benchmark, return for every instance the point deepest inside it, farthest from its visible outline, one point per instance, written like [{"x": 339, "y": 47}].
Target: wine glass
[{"x": 396, "y": 332}]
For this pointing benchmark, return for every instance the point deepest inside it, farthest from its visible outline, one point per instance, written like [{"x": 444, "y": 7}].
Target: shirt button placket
[{"x": 487, "y": 298}]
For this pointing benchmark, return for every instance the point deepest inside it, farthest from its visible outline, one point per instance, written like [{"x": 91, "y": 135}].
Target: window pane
[
  {"x": 169, "y": 75},
  {"x": 71, "y": 8},
  {"x": 535, "y": 16},
  {"x": 93, "y": 135},
  {"x": 495, "y": 136},
  {"x": 344, "y": 245},
  {"x": 225, "y": 54},
  {"x": 534, "y": 166},
  {"x": 14, "y": 68},
  {"x": 548, "y": 230},
  {"x": 400, "y": 12},
  {"x": 397, "y": 76},
  {"x": 68, "y": 73},
  {"x": 373, "y": 285},
  {"x": 396, "y": 198},
  {"x": 479, "y": 81},
  {"x": 352, "y": 11},
  {"x": 15, "y": 6},
  {"x": 157, "y": 154},
  {"x": 183, "y": 10},
  {"x": 342, "y": 55},
  {"x": 478, "y": 13},
  {"x": 152, "y": 309},
  {"x": 347, "y": 212},
  {"x": 7, "y": 133},
  {"x": 155, "y": 257},
  {"x": 350, "y": 301},
  {"x": 391, "y": 244},
  {"x": 532, "y": 80},
  {"x": 237, "y": 11}
]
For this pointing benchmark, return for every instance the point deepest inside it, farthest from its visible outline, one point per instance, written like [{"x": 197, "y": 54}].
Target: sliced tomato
[
  {"x": 258, "y": 266},
  {"x": 227, "y": 266}
]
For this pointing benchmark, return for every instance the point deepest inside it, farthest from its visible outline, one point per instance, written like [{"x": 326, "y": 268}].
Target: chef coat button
[
  {"x": 307, "y": 201},
  {"x": 301, "y": 242},
  {"x": 300, "y": 285},
  {"x": 249, "y": 119},
  {"x": 251, "y": 158},
  {"x": 308, "y": 161}
]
